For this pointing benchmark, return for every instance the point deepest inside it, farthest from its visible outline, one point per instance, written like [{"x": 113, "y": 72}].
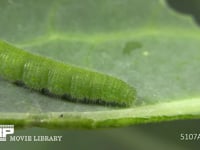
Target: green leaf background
[
  {"x": 151, "y": 47},
  {"x": 145, "y": 43}
]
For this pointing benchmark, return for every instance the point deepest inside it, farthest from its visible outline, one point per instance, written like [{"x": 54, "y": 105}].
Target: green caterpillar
[{"x": 66, "y": 81}]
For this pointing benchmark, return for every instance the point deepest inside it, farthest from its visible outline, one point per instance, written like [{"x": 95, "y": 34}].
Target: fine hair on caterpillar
[{"x": 69, "y": 82}]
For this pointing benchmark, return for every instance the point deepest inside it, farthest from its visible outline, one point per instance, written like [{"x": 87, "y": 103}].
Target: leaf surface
[{"x": 145, "y": 43}]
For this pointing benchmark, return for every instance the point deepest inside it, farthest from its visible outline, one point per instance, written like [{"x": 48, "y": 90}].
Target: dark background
[
  {"x": 165, "y": 135},
  {"x": 155, "y": 136}
]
